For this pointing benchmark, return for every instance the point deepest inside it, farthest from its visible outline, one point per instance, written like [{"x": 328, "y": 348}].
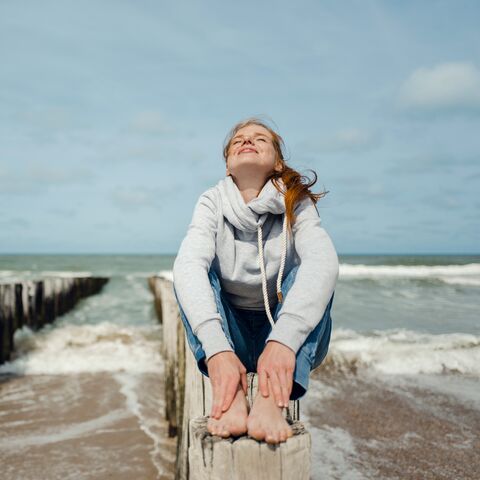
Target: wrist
[{"x": 283, "y": 345}]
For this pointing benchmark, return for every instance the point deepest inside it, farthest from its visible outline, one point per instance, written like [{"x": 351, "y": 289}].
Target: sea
[{"x": 397, "y": 396}]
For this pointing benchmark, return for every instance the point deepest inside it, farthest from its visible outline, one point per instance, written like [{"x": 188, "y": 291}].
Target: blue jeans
[{"x": 247, "y": 331}]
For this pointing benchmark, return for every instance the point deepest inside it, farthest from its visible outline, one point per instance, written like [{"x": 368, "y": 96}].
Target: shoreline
[{"x": 381, "y": 429}]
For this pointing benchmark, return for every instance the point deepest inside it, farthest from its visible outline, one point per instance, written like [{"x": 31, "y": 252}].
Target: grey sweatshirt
[{"x": 249, "y": 248}]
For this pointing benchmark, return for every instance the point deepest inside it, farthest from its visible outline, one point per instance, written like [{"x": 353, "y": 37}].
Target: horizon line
[{"x": 174, "y": 254}]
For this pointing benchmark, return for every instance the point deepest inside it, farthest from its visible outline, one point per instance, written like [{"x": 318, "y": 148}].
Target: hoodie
[{"x": 251, "y": 250}]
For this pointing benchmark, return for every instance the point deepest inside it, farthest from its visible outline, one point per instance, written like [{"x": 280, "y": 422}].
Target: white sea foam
[
  {"x": 468, "y": 274},
  {"x": 12, "y": 276},
  {"x": 454, "y": 274},
  {"x": 333, "y": 453},
  {"x": 402, "y": 351},
  {"x": 458, "y": 280},
  {"x": 167, "y": 274},
  {"x": 68, "y": 348},
  {"x": 64, "y": 273},
  {"x": 409, "y": 270}
]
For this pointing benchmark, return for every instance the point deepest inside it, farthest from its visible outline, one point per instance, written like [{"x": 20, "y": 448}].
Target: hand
[
  {"x": 225, "y": 371},
  {"x": 278, "y": 362}
]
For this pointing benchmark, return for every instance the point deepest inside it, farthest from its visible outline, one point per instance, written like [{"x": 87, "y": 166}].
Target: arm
[
  {"x": 195, "y": 294},
  {"x": 190, "y": 277},
  {"x": 304, "y": 304},
  {"x": 308, "y": 297}
]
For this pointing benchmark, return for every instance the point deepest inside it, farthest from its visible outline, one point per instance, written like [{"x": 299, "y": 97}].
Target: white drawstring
[{"x": 280, "y": 273}]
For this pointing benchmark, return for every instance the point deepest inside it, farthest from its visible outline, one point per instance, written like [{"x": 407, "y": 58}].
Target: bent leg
[
  {"x": 311, "y": 354},
  {"x": 230, "y": 325},
  {"x": 313, "y": 351}
]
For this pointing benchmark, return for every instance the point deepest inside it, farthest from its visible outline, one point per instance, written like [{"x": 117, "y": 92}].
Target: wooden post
[
  {"x": 200, "y": 455},
  {"x": 37, "y": 302}
]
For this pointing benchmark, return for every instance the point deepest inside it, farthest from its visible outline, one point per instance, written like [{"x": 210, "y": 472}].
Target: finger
[
  {"x": 244, "y": 382},
  {"x": 218, "y": 398},
  {"x": 275, "y": 387},
  {"x": 289, "y": 382},
  {"x": 230, "y": 392},
  {"x": 282, "y": 375},
  {"x": 263, "y": 383}
]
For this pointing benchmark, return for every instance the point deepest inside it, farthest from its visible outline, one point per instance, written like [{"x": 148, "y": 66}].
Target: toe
[
  {"x": 211, "y": 428},
  {"x": 252, "y": 428},
  {"x": 269, "y": 437},
  {"x": 238, "y": 430}
]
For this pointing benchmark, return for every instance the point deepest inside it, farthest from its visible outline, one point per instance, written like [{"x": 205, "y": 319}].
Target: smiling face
[{"x": 251, "y": 153}]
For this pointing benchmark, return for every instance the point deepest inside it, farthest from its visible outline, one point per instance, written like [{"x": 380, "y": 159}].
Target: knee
[
  {"x": 330, "y": 303},
  {"x": 213, "y": 277},
  {"x": 289, "y": 279}
]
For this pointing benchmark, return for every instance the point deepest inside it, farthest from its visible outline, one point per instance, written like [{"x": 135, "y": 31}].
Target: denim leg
[
  {"x": 233, "y": 329},
  {"x": 312, "y": 352},
  {"x": 239, "y": 335}
]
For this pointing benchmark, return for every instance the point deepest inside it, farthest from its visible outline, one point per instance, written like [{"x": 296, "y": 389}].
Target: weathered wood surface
[
  {"x": 201, "y": 455},
  {"x": 244, "y": 458},
  {"x": 35, "y": 303}
]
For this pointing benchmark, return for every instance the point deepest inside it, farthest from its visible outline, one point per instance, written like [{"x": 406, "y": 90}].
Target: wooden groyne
[
  {"x": 200, "y": 455},
  {"x": 37, "y": 302}
]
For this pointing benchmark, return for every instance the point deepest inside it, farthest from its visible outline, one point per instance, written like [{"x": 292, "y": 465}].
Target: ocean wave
[
  {"x": 167, "y": 274},
  {"x": 468, "y": 274},
  {"x": 401, "y": 351},
  {"x": 14, "y": 276},
  {"x": 68, "y": 348}
]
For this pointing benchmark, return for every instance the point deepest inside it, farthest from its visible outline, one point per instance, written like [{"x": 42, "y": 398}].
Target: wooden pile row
[
  {"x": 200, "y": 455},
  {"x": 37, "y": 302}
]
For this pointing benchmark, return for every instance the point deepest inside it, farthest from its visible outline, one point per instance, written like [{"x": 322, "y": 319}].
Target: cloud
[
  {"x": 14, "y": 223},
  {"x": 51, "y": 175},
  {"x": 453, "y": 86},
  {"x": 151, "y": 122},
  {"x": 135, "y": 198},
  {"x": 36, "y": 177},
  {"x": 345, "y": 140},
  {"x": 447, "y": 199},
  {"x": 47, "y": 118},
  {"x": 430, "y": 163},
  {"x": 63, "y": 212}
]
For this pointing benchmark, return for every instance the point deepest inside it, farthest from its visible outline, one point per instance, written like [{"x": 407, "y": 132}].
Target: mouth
[{"x": 247, "y": 150}]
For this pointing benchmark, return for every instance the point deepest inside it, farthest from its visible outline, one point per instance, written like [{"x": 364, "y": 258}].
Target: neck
[{"x": 249, "y": 187}]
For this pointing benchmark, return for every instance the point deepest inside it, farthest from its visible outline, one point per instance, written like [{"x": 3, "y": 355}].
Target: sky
[{"x": 113, "y": 116}]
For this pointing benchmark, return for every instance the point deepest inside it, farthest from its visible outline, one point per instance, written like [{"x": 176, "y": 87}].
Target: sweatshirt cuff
[
  {"x": 212, "y": 338},
  {"x": 289, "y": 330}
]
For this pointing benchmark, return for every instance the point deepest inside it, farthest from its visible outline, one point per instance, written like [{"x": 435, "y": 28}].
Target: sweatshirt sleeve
[
  {"x": 305, "y": 303},
  {"x": 190, "y": 277}
]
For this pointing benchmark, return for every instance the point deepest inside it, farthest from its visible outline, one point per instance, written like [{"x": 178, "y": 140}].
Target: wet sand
[
  {"x": 110, "y": 426},
  {"x": 366, "y": 427},
  {"x": 88, "y": 426}
]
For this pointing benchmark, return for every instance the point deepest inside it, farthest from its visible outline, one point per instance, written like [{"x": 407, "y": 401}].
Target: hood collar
[
  {"x": 247, "y": 216},
  {"x": 250, "y": 217}
]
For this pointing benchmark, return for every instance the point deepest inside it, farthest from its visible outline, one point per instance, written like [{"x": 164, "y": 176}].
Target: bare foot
[
  {"x": 266, "y": 422},
  {"x": 234, "y": 420}
]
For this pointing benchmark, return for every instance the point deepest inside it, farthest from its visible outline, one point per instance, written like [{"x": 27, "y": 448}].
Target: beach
[
  {"x": 397, "y": 396},
  {"x": 87, "y": 425}
]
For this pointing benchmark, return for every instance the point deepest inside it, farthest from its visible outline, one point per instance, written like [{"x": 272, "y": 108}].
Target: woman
[{"x": 256, "y": 224}]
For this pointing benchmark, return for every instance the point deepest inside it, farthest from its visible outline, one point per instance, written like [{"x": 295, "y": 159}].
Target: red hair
[{"x": 297, "y": 185}]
